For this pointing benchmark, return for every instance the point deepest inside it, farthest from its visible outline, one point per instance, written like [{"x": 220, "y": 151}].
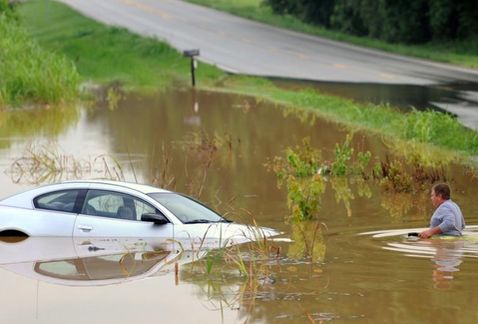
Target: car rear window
[{"x": 59, "y": 200}]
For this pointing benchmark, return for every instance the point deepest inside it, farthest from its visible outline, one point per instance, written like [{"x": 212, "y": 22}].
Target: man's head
[{"x": 439, "y": 193}]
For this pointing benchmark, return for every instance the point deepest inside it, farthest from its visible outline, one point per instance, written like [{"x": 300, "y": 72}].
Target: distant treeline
[{"x": 406, "y": 21}]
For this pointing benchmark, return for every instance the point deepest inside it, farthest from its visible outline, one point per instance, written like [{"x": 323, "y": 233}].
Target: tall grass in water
[
  {"x": 29, "y": 73},
  {"x": 440, "y": 129},
  {"x": 48, "y": 163}
]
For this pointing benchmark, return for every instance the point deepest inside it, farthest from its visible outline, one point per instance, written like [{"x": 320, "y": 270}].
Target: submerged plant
[
  {"x": 304, "y": 197},
  {"x": 308, "y": 241},
  {"x": 201, "y": 153},
  {"x": 399, "y": 204},
  {"x": 408, "y": 169},
  {"x": 48, "y": 163},
  {"x": 201, "y": 148},
  {"x": 113, "y": 96},
  {"x": 343, "y": 154},
  {"x": 305, "y": 173},
  {"x": 343, "y": 192},
  {"x": 395, "y": 177},
  {"x": 348, "y": 164},
  {"x": 412, "y": 166},
  {"x": 163, "y": 176},
  {"x": 301, "y": 162},
  {"x": 305, "y": 186}
]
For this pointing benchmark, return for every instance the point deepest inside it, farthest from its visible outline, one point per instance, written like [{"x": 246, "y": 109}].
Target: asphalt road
[{"x": 243, "y": 46}]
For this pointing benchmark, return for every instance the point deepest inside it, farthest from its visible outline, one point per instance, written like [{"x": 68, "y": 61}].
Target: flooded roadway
[{"x": 216, "y": 145}]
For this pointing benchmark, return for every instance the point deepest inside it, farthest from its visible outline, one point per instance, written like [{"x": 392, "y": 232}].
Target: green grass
[
  {"x": 103, "y": 54},
  {"x": 463, "y": 53},
  {"x": 30, "y": 74}
]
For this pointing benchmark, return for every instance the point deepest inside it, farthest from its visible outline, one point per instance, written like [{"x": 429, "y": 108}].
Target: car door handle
[{"x": 85, "y": 228}]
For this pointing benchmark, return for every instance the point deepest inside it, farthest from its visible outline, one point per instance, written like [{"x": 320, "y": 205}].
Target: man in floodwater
[{"x": 447, "y": 218}]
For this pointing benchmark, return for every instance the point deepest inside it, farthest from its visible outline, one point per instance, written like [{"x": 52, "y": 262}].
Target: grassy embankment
[
  {"x": 463, "y": 53},
  {"x": 104, "y": 54},
  {"x": 28, "y": 73}
]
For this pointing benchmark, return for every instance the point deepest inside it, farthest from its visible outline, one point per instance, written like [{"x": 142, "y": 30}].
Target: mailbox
[{"x": 192, "y": 53}]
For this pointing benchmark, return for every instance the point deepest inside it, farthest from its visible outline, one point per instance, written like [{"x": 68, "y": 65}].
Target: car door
[
  {"x": 114, "y": 214},
  {"x": 54, "y": 213}
]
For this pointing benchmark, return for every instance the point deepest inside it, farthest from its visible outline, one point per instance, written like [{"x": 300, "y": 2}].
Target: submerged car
[{"x": 101, "y": 208}]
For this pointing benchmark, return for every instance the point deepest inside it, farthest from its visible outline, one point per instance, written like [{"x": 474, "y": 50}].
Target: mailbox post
[{"x": 192, "y": 53}]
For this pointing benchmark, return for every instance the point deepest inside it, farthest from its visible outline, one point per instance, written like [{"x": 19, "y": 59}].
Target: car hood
[{"x": 218, "y": 235}]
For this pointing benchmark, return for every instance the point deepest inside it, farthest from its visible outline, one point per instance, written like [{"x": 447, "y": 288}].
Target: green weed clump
[
  {"x": 306, "y": 176},
  {"x": 409, "y": 169},
  {"x": 29, "y": 73},
  {"x": 305, "y": 185},
  {"x": 344, "y": 165}
]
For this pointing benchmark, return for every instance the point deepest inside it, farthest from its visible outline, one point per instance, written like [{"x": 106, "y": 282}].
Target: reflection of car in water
[
  {"x": 97, "y": 262},
  {"x": 84, "y": 209},
  {"x": 99, "y": 268}
]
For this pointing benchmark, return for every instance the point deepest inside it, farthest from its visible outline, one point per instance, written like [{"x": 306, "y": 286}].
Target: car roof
[
  {"x": 25, "y": 199},
  {"x": 146, "y": 189}
]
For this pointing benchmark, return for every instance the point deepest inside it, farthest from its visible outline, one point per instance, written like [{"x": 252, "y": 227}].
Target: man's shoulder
[
  {"x": 448, "y": 202},
  {"x": 449, "y": 205}
]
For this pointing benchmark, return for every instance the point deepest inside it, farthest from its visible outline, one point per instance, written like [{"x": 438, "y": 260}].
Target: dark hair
[{"x": 442, "y": 190}]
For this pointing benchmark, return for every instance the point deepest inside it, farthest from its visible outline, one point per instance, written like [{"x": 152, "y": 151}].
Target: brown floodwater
[{"x": 353, "y": 265}]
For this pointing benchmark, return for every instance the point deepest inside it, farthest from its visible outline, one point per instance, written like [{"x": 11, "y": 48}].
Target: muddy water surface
[{"x": 215, "y": 146}]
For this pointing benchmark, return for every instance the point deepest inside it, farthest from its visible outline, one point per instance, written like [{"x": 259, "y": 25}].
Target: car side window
[
  {"x": 115, "y": 205},
  {"x": 143, "y": 208},
  {"x": 59, "y": 200}
]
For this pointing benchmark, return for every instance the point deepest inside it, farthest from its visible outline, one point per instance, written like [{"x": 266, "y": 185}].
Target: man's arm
[{"x": 431, "y": 231}]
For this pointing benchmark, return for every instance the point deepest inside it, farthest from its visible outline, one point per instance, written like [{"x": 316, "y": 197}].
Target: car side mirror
[{"x": 158, "y": 219}]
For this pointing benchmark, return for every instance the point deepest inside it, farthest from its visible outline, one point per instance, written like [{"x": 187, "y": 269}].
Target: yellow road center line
[
  {"x": 387, "y": 76},
  {"x": 148, "y": 9},
  {"x": 246, "y": 40},
  {"x": 302, "y": 56}
]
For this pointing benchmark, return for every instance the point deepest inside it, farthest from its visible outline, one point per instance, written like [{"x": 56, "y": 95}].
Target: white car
[{"x": 101, "y": 208}]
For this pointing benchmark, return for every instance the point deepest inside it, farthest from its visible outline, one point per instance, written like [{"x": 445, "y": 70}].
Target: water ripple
[{"x": 444, "y": 248}]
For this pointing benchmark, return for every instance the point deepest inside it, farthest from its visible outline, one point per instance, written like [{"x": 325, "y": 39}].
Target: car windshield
[{"x": 186, "y": 209}]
